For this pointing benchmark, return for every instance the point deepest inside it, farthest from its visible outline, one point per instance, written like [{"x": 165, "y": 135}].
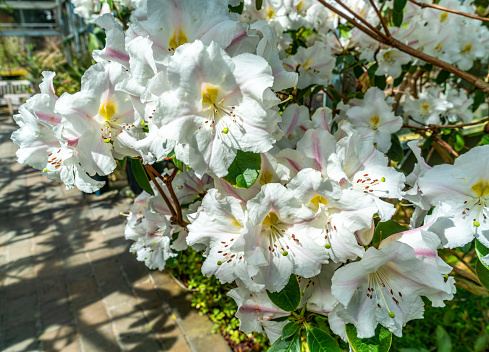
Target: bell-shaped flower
[
  {"x": 385, "y": 287},
  {"x": 358, "y": 166},
  {"x": 277, "y": 237},
  {"x": 256, "y": 313},
  {"x": 317, "y": 291},
  {"x": 172, "y": 23},
  {"x": 218, "y": 225},
  {"x": 314, "y": 64},
  {"x": 464, "y": 189},
  {"x": 98, "y": 116},
  {"x": 339, "y": 214},
  {"x": 217, "y": 105},
  {"x": 374, "y": 119}
]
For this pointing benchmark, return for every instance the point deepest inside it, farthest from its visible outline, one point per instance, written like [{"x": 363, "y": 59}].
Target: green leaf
[
  {"x": 237, "y": 9},
  {"x": 442, "y": 77},
  {"x": 244, "y": 170},
  {"x": 381, "y": 342},
  {"x": 122, "y": 163},
  {"x": 481, "y": 343},
  {"x": 481, "y": 251},
  {"x": 395, "y": 152},
  {"x": 399, "y": 5},
  {"x": 482, "y": 274},
  {"x": 320, "y": 341},
  {"x": 358, "y": 71},
  {"x": 443, "y": 342},
  {"x": 479, "y": 97},
  {"x": 371, "y": 70},
  {"x": 258, "y": 4},
  {"x": 380, "y": 82},
  {"x": 397, "y": 18},
  {"x": 385, "y": 229},
  {"x": 292, "y": 344},
  {"x": 484, "y": 140},
  {"x": 289, "y": 298},
  {"x": 289, "y": 329},
  {"x": 140, "y": 175},
  {"x": 172, "y": 262},
  {"x": 459, "y": 142}
]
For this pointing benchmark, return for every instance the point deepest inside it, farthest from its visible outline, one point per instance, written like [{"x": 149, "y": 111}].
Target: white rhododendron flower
[
  {"x": 256, "y": 311},
  {"x": 464, "y": 188},
  {"x": 314, "y": 65},
  {"x": 266, "y": 139},
  {"x": 218, "y": 105},
  {"x": 385, "y": 288},
  {"x": 374, "y": 118}
]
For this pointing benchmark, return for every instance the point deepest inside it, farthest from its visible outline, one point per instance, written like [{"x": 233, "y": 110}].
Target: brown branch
[
  {"x": 382, "y": 19},
  {"x": 177, "y": 216},
  {"x": 460, "y": 125},
  {"x": 381, "y": 38},
  {"x": 446, "y": 9},
  {"x": 150, "y": 170},
  {"x": 360, "y": 18},
  {"x": 466, "y": 274}
]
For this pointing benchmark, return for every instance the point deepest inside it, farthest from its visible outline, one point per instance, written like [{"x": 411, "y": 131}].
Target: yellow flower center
[
  {"x": 271, "y": 219},
  {"x": 375, "y": 120},
  {"x": 107, "y": 110},
  {"x": 209, "y": 94},
  {"x": 481, "y": 188},
  {"x": 443, "y": 16},
  {"x": 467, "y": 48},
  {"x": 316, "y": 200},
  {"x": 177, "y": 38}
]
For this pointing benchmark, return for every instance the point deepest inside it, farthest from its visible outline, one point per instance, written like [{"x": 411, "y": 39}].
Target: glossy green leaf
[
  {"x": 320, "y": 341},
  {"x": 481, "y": 251},
  {"x": 443, "y": 342},
  {"x": 442, "y": 77},
  {"x": 397, "y": 17},
  {"x": 122, "y": 163},
  {"x": 292, "y": 344},
  {"x": 289, "y": 329},
  {"x": 289, "y": 298},
  {"x": 381, "y": 82},
  {"x": 140, "y": 175},
  {"x": 399, "y": 5},
  {"x": 381, "y": 342},
  {"x": 479, "y": 97},
  {"x": 395, "y": 153},
  {"x": 385, "y": 229},
  {"x": 244, "y": 170},
  {"x": 482, "y": 274},
  {"x": 237, "y": 9},
  {"x": 259, "y": 4}
]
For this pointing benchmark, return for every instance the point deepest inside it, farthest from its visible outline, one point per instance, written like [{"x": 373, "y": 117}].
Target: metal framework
[{"x": 66, "y": 25}]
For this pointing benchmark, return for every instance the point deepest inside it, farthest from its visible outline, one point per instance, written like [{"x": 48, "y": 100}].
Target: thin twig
[
  {"x": 360, "y": 18},
  {"x": 381, "y": 18},
  {"x": 446, "y": 9},
  {"x": 381, "y": 38},
  {"x": 150, "y": 169}
]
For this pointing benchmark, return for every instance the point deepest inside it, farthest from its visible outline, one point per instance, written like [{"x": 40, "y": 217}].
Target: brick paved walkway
[{"x": 67, "y": 280}]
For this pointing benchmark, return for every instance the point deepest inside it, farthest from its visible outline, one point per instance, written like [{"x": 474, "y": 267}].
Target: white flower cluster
[{"x": 190, "y": 79}]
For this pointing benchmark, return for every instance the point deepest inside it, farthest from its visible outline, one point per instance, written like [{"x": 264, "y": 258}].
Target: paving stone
[
  {"x": 21, "y": 337},
  {"x": 101, "y": 339},
  {"x": 84, "y": 291},
  {"x": 67, "y": 280},
  {"x": 56, "y": 313},
  {"x": 91, "y": 316},
  {"x": 63, "y": 339}
]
